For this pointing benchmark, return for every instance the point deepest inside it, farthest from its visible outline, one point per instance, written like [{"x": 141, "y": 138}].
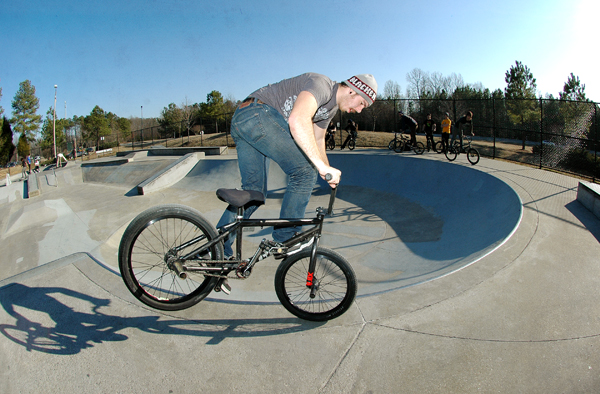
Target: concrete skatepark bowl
[{"x": 399, "y": 220}]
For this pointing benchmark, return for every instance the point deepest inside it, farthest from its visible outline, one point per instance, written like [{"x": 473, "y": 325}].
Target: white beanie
[{"x": 365, "y": 85}]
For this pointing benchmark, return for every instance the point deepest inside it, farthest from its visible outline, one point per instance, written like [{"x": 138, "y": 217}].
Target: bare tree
[
  {"x": 417, "y": 82},
  {"x": 392, "y": 90}
]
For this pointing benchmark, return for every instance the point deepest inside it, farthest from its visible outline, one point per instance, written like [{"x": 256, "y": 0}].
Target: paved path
[{"x": 513, "y": 309}]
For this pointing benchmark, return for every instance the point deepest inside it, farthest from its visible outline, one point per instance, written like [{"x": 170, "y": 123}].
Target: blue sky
[{"x": 125, "y": 55}]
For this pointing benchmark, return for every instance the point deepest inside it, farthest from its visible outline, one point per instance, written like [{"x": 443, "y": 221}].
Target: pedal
[
  {"x": 277, "y": 250},
  {"x": 223, "y": 285}
]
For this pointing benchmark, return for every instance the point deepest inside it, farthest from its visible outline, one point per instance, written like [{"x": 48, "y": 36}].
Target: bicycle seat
[{"x": 239, "y": 198}]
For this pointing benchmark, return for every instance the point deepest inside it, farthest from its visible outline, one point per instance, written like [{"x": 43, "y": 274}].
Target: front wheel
[
  {"x": 399, "y": 147},
  {"x": 351, "y": 144},
  {"x": 392, "y": 144},
  {"x": 439, "y": 147},
  {"x": 333, "y": 285},
  {"x": 419, "y": 148},
  {"x": 473, "y": 156},
  {"x": 451, "y": 153},
  {"x": 150, "y": 254},
  {"x": 331, "y": 143}
]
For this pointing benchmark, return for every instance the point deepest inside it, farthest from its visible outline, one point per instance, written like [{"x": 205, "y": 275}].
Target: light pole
[
  {"x": 142, "y": 125},
  {"x": 54, "y": 123}
]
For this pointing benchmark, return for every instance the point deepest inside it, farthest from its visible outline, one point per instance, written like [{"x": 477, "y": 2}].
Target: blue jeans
[
  {"x": 457, "y": 131},
  {"x": 261, "y": 134}
]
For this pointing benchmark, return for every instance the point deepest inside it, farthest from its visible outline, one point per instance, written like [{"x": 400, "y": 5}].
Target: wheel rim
[
  {"x": 332, "y": 283},
  {"x": 151, "y": 260}
]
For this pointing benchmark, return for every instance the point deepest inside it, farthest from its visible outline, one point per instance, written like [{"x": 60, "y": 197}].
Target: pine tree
[
  {"x": 7, "y": 147},
  {"x": 23, "y": 148},
  {"x": 25, "y": 104},
  {"x": 573, "y": 90},
  {"x": 520, "y": 97}
]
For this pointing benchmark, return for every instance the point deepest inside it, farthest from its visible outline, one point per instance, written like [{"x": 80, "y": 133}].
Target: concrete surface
[{"x": 471, "y": 279}]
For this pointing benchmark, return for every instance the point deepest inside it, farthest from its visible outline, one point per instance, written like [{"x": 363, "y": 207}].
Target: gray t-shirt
[{"x": 282, "y": 96}]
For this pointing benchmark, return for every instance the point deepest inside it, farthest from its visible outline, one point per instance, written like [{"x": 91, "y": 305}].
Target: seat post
[{"x": 239, "y": 231}]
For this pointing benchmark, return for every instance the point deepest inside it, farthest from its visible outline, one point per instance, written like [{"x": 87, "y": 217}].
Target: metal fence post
[
  {"x": 541, "y": 131},
  {"x": 595, "y": 142},
  {"x": 494, "y": 127}
]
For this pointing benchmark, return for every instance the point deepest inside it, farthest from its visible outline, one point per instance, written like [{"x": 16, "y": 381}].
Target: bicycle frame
[{"x": 263, "y": 250}]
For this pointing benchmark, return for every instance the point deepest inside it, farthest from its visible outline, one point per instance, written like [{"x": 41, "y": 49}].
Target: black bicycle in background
[
  {"x": 472, "y": 154},
  {"x": 330, "y": 139},
  {"x": 171, "y": 258},
  {"x": 401, "y": 143}
]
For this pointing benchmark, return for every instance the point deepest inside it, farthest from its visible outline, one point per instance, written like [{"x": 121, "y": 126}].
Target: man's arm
[
  {"x": 304, "y": 134},
  {"x": 320, "y": 139}
]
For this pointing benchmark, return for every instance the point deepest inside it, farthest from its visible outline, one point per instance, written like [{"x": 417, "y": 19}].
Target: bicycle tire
[
  {"x": 419, "y": 148},
  {"x": 331, "y": 144},
  {"x": 332, "y": 270},
  {"x": 399, "y": 146},
  {"x": 351, "y": 144},
  {"x": 451, "y": 154},
  {"x": 392, "y": 144},
  {"x": 143, "y": 250},
  {"x": 473, "y": 156},
  {"x": 439, "y": 147}
]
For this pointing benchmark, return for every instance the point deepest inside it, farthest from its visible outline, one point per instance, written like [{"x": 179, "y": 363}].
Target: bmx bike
[
  {"x": 472, "y": 154},
  {"x": 351, "y": 142},
  {"x": 330, "y": 139},
  {"x": 399, "y": 144},
  {"x": 171, "y": 258}
]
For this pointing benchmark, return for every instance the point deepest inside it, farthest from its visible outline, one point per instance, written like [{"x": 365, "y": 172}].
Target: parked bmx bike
[{"x": 402, "y": 143}]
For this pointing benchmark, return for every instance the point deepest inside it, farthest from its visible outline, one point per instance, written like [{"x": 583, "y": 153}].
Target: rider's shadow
[{"x": 55, "y": 320}]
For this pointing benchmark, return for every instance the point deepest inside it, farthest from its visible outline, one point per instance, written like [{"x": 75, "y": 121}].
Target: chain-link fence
[{"x": 556, "y": 134}]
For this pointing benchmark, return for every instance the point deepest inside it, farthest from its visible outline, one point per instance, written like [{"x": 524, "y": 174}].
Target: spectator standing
[
  {"x": 23, "y": 170},
  {"x": 429, "y": 128},
  {"x": 446, "y": 126}
]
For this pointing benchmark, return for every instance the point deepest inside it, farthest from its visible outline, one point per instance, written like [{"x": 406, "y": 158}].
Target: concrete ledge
[
  {"x": 33, "y": 185},
  {"x": 207, "y": 150},
  {"x": 171, "y": 174},
  {"x": 109, "y": 161},
  {"x": 589, "y": 195}
]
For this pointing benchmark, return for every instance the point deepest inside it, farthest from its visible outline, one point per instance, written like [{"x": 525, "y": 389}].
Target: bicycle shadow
[{"x": 61, "y": 321}]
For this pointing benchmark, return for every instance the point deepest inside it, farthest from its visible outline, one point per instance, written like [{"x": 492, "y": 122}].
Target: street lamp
[
  {"x": 54, "y": 123},
  {"x": 142, "y": 125}
]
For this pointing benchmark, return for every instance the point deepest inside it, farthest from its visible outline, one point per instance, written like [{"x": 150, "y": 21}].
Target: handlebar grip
[{"x": 328, "y": 177}]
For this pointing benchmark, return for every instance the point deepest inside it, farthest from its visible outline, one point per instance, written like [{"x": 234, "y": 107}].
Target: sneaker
[{"x": 285, "y": 252}]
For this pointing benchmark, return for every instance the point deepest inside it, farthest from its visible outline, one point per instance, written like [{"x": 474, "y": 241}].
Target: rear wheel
[
  {"x": 150, "y": 256},
  {"x": 351, "y": 144},
  {"x": 419, "y": 148},
  {"x": 333, "y": 285}
]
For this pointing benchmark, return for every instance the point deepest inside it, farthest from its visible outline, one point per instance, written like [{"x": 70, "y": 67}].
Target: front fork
[{"x": 311, "y": 283}]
